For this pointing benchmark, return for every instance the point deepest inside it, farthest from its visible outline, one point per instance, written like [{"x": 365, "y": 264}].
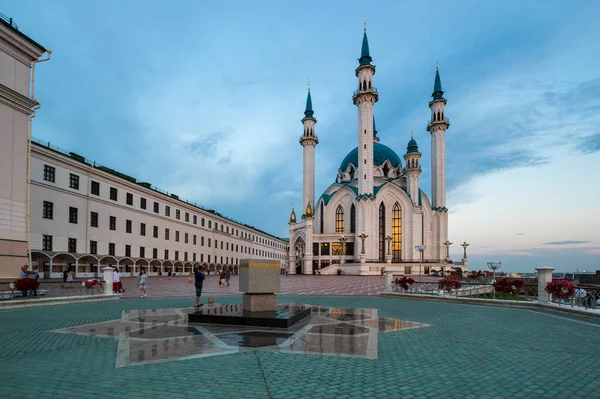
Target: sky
[{"x": 204, "y": 99}]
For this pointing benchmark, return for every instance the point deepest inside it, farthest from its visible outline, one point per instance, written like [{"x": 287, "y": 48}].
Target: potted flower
[
  {"x": 561, "y": 289},
  {"x": 91, "y": 283},
  {"x": 404, "y": 282},
  {"x": 449, "y": 283}
]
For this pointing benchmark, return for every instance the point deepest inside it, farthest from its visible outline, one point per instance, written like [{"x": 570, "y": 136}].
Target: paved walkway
[
  {"x": 467, "y": 352},
  {"x": 290, "y": 285}
]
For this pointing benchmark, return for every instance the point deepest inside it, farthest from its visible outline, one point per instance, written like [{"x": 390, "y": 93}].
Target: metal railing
[
  {"x": 9, "y": 21},
  {"x": 482, "y": 289},
  {"x": 587, "y": 297},
  {"x": 49, "y": 289}
]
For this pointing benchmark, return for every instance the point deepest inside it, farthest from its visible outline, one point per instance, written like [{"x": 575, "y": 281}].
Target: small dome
[
  {"x": 412, "y": 146},
  {"x": 381, "y": 153}
]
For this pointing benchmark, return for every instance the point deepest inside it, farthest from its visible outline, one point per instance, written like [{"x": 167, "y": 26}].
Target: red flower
[
  {"x": 560, "y": 288},
  {"x": 449, "y": 283},
  {"x": 25, "y": 284}
]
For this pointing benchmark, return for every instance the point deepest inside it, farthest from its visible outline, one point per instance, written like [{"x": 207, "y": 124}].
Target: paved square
[{"x": 467, "y": 351}]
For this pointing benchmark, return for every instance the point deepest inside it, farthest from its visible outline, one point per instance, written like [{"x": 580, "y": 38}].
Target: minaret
[
  {"x": 437, "y": 127},
  {"x": 308, "y": 141},
  {"x": 375, "y": 138},
  {"x": 364, "y": 98},
  {"x": 413, "y": 169}
]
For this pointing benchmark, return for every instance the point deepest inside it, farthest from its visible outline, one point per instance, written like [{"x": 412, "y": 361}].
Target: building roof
[
  {"x": 437, "y": 87},
  {"x": 365, "y": 57},
  {"x": 412, "y": 146},
  {"x": 9, "y": 23},
  {"x": 381, "y": 153},
  {"x": 309, "y": 107}
]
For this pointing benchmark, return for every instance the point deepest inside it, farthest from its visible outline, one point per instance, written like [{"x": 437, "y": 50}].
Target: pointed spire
[
  {"x": 365, "y": 58},
  {"x": 293, "y": 216},
  {"x": 308, "y": 112},
  {"x": 412, "y": 144},
  {"x": 437, "y": 86},
  {"x": 309, "y": 211},
  {"x": 375, "y": 138}
]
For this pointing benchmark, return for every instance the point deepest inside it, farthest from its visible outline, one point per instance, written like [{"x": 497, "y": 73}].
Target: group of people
[{"x": 32, "y": 274}]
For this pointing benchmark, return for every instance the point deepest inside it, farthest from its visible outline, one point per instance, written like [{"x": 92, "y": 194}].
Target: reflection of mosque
[{"x": 375, "y": 214}]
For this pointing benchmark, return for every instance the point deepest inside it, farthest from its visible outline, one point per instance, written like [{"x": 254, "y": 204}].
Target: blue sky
[{"x": 204, "y": 99}]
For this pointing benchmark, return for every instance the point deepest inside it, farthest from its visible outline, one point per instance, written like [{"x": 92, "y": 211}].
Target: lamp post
[
  {"x": 388, "y": 256},
  {"x": 343, "y": 240},
  {"x": 494, "y": 265},
  {"x": 465, "y": 245},
  {"x": 363, "y": 254},
  {"x": 420, "y": 248},
  {"x": 447, "y": 244}
]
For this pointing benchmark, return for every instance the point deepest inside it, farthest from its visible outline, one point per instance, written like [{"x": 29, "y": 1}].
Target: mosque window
[
  {"x": 386, "y": 170},
  {"x": 382, "y": 232},
  {"x": 369, "y": 85},
  {"x": 339, "y": 220},
  {"x": 396, "y": 232},
  {"x": 352, "y": 219}
]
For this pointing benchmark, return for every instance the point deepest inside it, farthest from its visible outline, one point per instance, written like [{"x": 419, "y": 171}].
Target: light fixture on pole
[
  {"x": 447, "y": 244},
  {"x": 420, "y": 248},
  {"x": 388, "y": 255},
  {"x": 363, "y": 237},
  {"x": 494, "y": 265}
]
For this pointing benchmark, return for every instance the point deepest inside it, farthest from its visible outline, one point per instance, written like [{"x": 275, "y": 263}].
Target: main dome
[{"x": 381, "y": 153}]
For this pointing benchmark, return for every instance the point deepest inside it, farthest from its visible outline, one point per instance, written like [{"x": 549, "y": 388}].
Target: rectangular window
[
  {"x": 128, "y": 226},
  {"x": 93, "y": 247},
  {"x": 227, "y": 246},
  {"x": 208, "y": 258},
  {"x": 201, "y": 257},
  {"x": 221, "y": 259},
  {"x": 202, "y": 241},
  {"x": 227, "y": 229},
  {"x": 195, "y": 219},
  {"x": 167, "y": 210},
  {"x": 209, "y": 224},
  {"x": 112, "y": 223},
  {"x": 407, "y": 270},
  {"x": 155, "y": 233},
  {"x": 111, "y": 248},
  {"x": 142, "y": 252},
  {"x": 176, "y": 255},
  {"x": 221, "y": 244},
  {"x": 194, "y": 257},
  {"x": 194, "y": 239},
  {"x": 177, "y": 235},
  {"x": 48, "y": 210},
  {"x": 185, "y": 238},
  {"x": 166, "y": 234},
  {"x": 114, "y": 195},
  {"x": 142, "y": 203},
  {"x": 156, "y": 210},
  {"x": 155, "y": 253},
  {"x": 325, "y": 248},
  {"x": 177, "y": 214},
  {"x": 202, "y": 222},
  {"x": 49, "y": 173},
  {"x": 129, "y": 199},
  {"x": 166, "y": 254},
  {"x": 72, "y": 245},
  {"x": 74, "y": 181},
  {"x": 187, "y": 217},
  {"x": 209, "y": 242},
  {"x": 95, "y": 188},
  {"x": 185, "y": 257},
  {"x": 142, "y": 229},
  {"x": 216, "y": 226},
  {"x": 94, "y": 219},
  {"x": 72, "y": 215},
  {"x": 127, "y": 250}
]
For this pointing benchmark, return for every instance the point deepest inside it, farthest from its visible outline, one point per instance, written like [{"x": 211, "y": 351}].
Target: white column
[
  {"x": 544, "y": 277},
  {"x": 76, "y": 267},
  {"x": 388, "y": 280},
  {"x": 108, "y": 279}
]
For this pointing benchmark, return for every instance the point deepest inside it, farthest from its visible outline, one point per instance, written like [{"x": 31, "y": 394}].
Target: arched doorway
[
  {"x": 154, "y": 268},
  {"x": 62, "y": 262},
  {"x": 42, "y": 261},
  {"x": 88, "y": 266},
  {"x": 299, "y": 250},
  {"x": 126, "y": 266}
]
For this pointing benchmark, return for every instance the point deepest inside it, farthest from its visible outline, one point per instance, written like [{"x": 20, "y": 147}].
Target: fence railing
[
  {"x": 48, "y": 289},
  {"x": 584, "y": 297}
]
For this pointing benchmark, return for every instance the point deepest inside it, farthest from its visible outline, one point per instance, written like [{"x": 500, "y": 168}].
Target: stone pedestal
[
  {"x": 363, "y": 259},
  {"x": 544, "y": 277},
  {"x": 107, "y": 273},
  {"x": 388, "y": 259},
  {"x": 259, "y": 281},
  {"x": 388, "y": 280}
]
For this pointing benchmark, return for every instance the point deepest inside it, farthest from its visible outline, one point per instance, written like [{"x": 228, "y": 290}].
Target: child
[{"x": 142, "y": 283}]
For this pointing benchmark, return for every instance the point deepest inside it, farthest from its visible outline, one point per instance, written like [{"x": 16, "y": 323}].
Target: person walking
[
  {"x": 116, "y": 282},
  {"x": 142, "y": 283},
  {"x": 69, "y": 277},
  {"x": 198, "y": 283},
  {"x": 227, "y": 277}
]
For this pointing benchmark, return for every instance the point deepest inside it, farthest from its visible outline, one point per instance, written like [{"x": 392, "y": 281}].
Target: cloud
[
  {"x": 588, "y": 144},
  {"x": 567, "y": 242},
  {"x": 520, "y": 234}
]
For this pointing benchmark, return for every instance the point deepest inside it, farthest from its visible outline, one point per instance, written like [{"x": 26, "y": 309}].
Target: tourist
[
  {"x": 198, "y": 282},
  {"x": 35, "y": 275},
  {"x": 116, "y": 281},
  {"x": 68, "y": 277},
  {"x": 25, "y": 273},
  {"x": 382, "y": 272},
  {"x": 142, "y": 283},
  {"x": 227, "y": 277}
]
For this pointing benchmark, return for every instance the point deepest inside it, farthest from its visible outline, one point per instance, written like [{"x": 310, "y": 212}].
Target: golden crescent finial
[
  {"x": 308, "y": 80},
  {"x": 437, "y": 65},
  {"x": 412, "y": 134},
  {"x": 365, "y": 23}
]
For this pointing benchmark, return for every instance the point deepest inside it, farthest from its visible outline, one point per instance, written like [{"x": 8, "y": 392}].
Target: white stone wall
[
  {"x": 438, "y": 168},
  {"x": 308, "y": 181},
  {"x": 256, "y": 245},
  {"x": 365, "y": 147}
]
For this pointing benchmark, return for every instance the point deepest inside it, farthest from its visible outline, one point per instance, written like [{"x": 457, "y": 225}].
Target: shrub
[
  {"x": 449, "y": 283},
  {"x": 26, "y": 284},
  {"x": 405, "y": 282},
  {"x": 560, "y": 289},
  {"x": 509, "y": 285}
]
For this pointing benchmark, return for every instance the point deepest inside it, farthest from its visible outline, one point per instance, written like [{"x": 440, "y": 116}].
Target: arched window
[
  {"x": 352, "y": 219},
  {"x": 396, "y": 232},
  {"x": 369, "y": 85},
  {"x": 321, "y": 218},
  {"x": 365, "y": 84},
  {"x": 339, "y": 219},
  {"x": 385, "y": 170},
  {"x": 382, "y": 232}
]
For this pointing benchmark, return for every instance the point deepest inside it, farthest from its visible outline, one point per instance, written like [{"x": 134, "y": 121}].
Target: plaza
[{"x": 456, "y": 351}]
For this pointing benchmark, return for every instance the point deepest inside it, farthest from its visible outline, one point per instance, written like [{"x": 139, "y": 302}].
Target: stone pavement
[
  {"x": 290, "y": 285},
  {"x": 467, "y": 352}
]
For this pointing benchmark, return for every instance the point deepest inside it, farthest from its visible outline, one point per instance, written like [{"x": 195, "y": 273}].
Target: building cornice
[
  {"x": 22, "y": 42},
  {"x": 16, "y": 101}
]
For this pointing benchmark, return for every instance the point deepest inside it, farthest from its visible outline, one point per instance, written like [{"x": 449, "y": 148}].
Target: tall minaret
[
  {"x": 437, "y": 127},
  {"x": 413, "y": 169},
  {"x": 308, "y": 141},
  {"x": 364, "y": 98}
]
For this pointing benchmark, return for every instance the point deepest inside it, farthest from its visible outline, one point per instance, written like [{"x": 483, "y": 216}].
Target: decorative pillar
[
  {"x": 388, "y": 255},
  {"x": 388, "y": 280},
  {"x": 544, "y": 277},
  {"x": 108, "y": 279}
]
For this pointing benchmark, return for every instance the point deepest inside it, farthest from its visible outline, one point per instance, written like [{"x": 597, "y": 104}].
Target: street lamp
[
  {"x": 363, "y": 237},
  {"x": 465, "y": 245},
  {"x": 420, "y": 248},
  {"x": 494, "y": 265},
  {"x": 388, "y": 257},
  {"x": 447, "y": 244}
]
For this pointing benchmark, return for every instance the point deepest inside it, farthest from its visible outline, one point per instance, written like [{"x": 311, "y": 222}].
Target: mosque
[{"x": 375, "y": 214}]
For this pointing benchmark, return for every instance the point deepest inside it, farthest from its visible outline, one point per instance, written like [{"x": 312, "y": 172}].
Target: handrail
[{"x": 9, "y": 20}]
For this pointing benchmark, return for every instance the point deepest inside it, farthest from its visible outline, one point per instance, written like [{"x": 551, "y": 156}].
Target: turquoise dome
[{"x": 381, "y": 153}]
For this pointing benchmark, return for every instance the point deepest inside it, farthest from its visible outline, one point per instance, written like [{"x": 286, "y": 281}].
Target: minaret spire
[
  {"x": 308, "y": 112},
  {"x": 437, "y": 85},
  {"x": 365, "y": 58}
]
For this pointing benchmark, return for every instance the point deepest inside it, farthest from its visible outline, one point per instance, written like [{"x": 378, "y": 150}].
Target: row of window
[
  {"x": 50, "y": 175},
  {"x": 47, "y": 244}
]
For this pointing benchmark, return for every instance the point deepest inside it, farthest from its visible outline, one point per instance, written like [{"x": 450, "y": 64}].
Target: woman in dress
[
  {"x": 69, "y": 279},
  {"x": 142, "y": 283}
]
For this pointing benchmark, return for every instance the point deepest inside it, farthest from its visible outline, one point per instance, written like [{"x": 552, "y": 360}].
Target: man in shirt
[
  {"x": 198, "y": 282},
  {"x": 116, "y": 282}
]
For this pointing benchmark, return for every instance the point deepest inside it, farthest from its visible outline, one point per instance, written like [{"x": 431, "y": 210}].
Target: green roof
[
  {"x": 381, "y": 153},
  {"x": 412, "y": 146},
  {"x": 308, "y": 113},
  {"x": 365, "y": 58},
  {"x": 437, "y": 87}
]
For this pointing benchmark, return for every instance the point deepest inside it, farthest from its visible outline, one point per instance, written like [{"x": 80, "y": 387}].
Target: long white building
[{"x": 88, "y": 216}]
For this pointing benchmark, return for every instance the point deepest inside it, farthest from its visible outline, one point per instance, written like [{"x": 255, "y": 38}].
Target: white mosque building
[{"x": 375, "y": 214}]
